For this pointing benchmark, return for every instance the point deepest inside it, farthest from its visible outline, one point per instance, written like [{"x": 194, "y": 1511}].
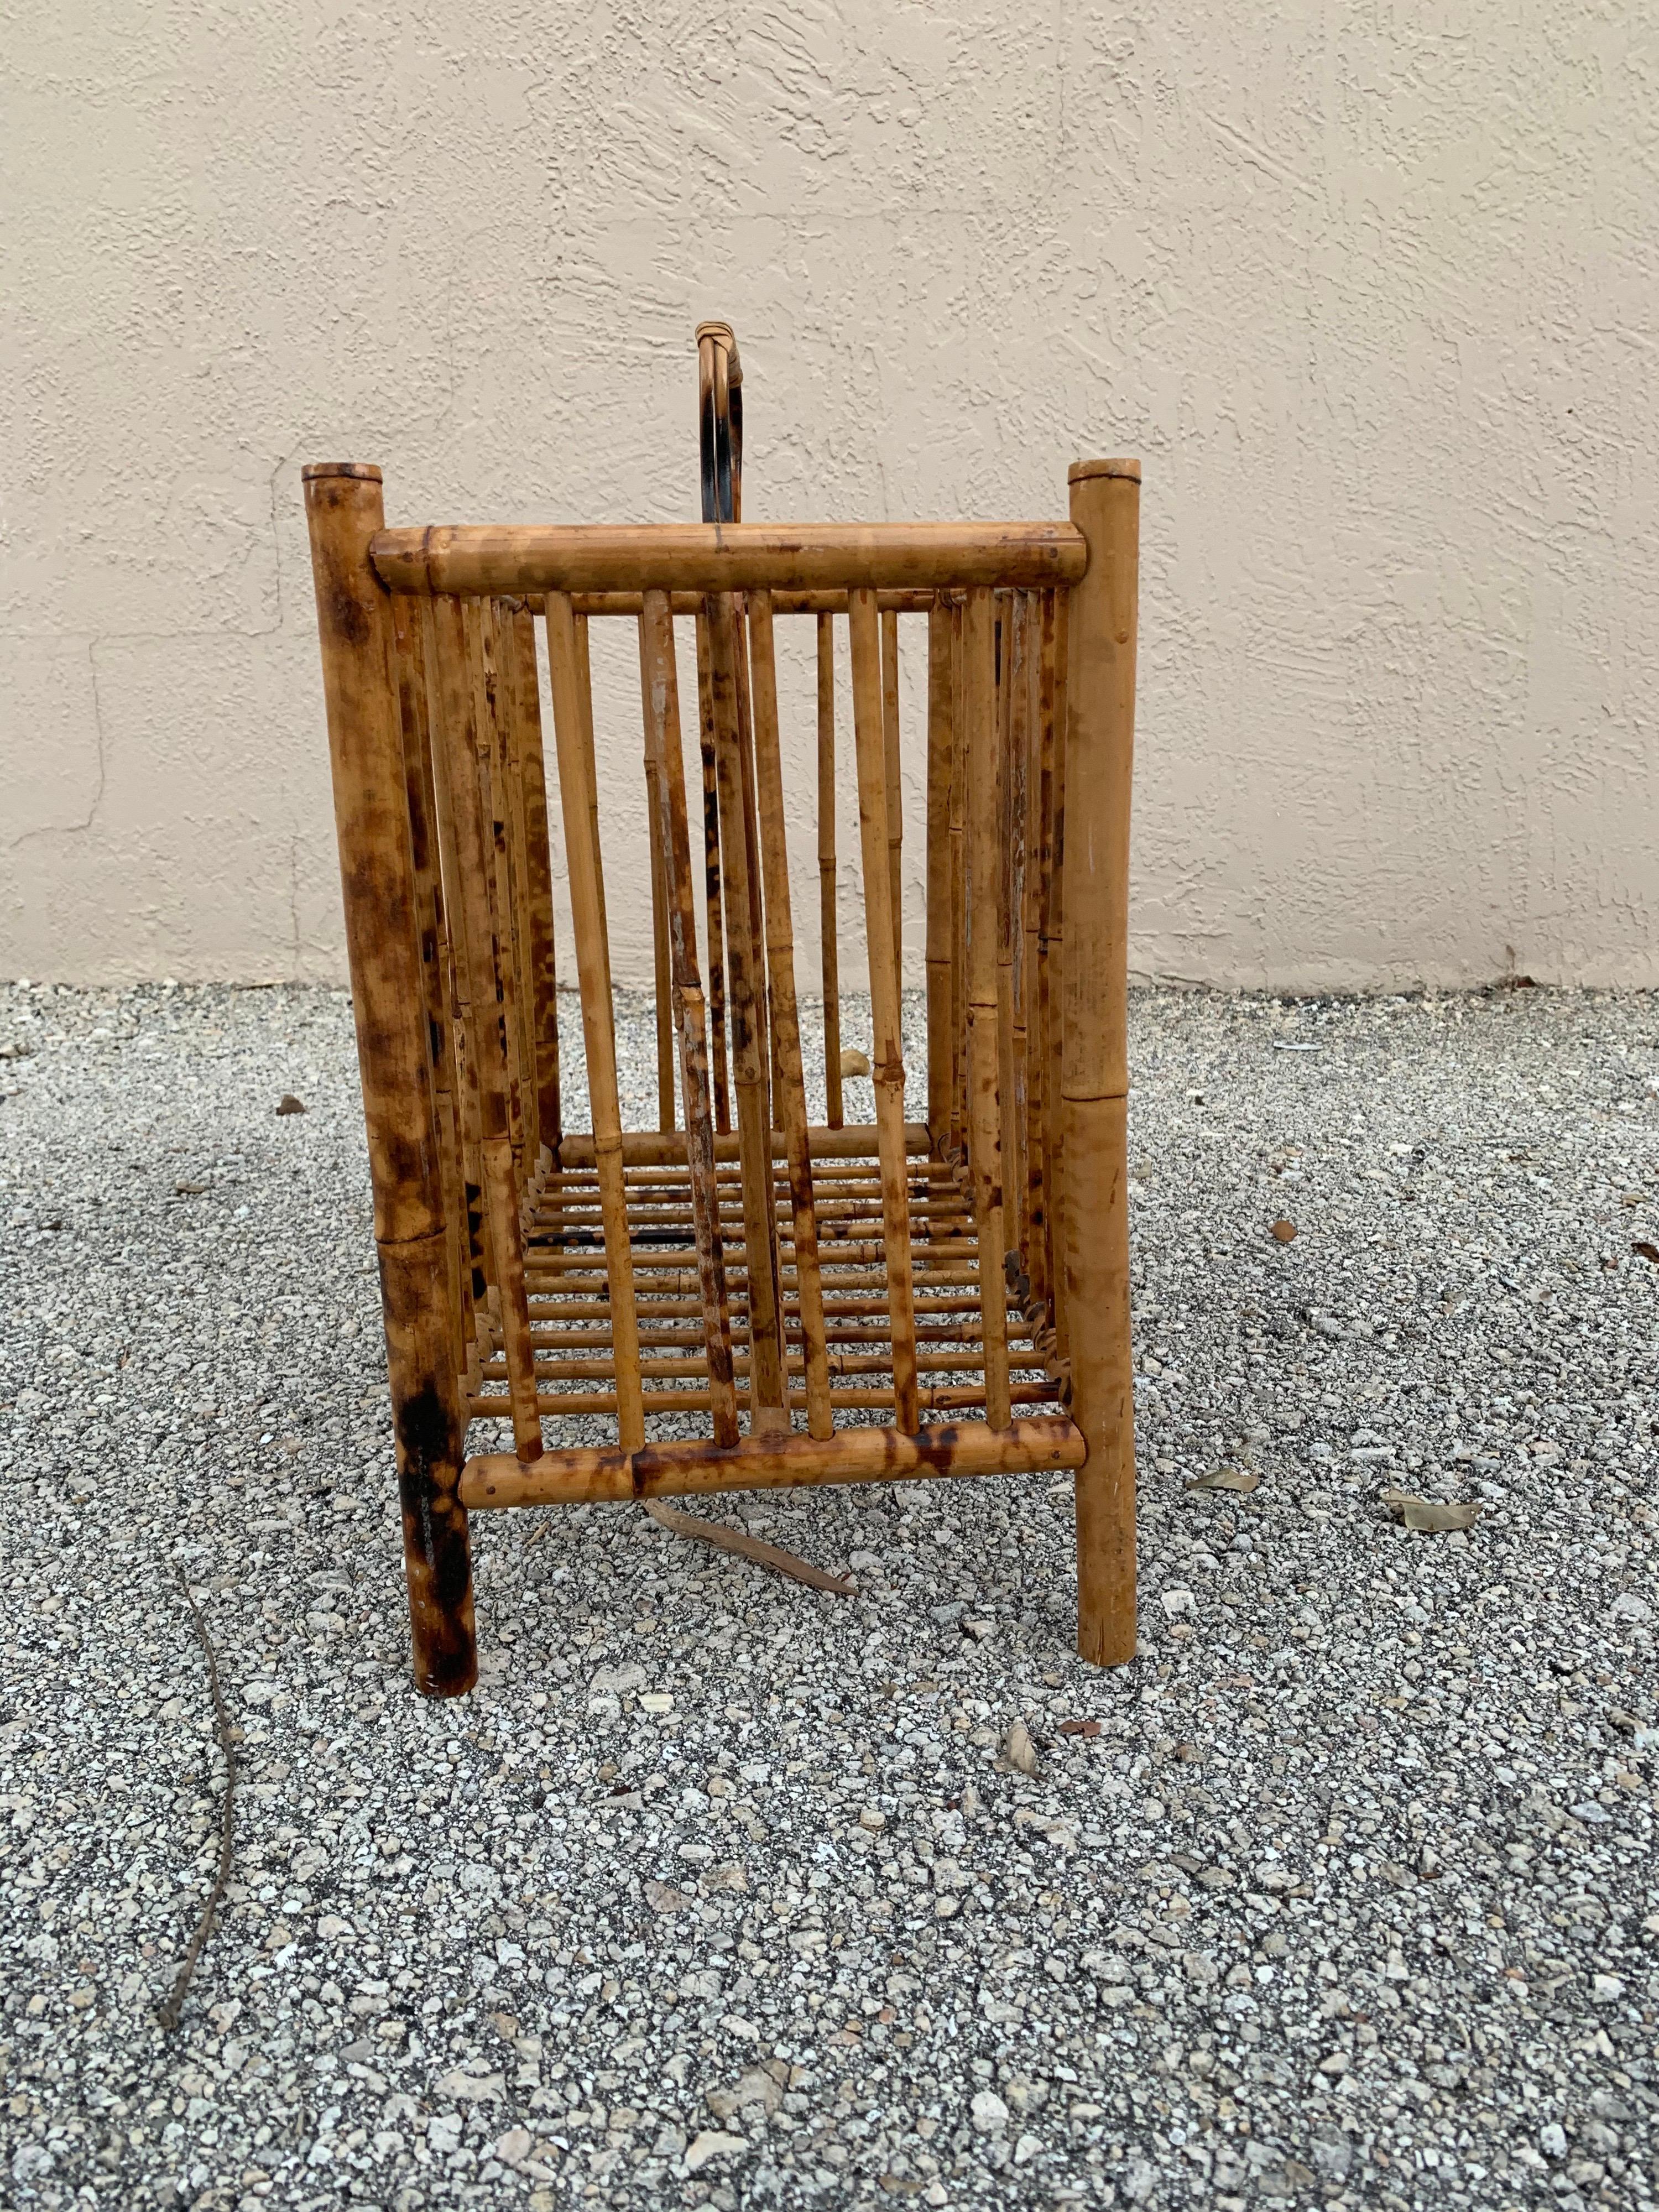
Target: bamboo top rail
[{"x": 468, "y": 559}]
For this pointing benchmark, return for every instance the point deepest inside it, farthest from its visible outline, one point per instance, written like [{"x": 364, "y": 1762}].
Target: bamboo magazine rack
[{"x": 733, "y": 1298}]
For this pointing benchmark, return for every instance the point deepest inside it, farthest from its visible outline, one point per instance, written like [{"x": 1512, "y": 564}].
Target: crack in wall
[{"x": 77, "y": 829}]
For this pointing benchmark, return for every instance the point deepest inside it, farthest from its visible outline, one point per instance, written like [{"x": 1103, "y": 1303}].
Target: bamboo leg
[
  {"x": 1105, "y": 506},
  {"x": 941, "y": 737},
  {"x": 893, "y": 773},
  {"x": 711, "y": 875},
  {"x": 744, "y": 957},
  {"x": 828, "y": 915},
  {"x": 659, "y": 682},
  {"x": 659, "y": 924},
  {"x": 985, "y": 1134},
  {"x": 344, "y": 509},
  {"x": 573, "y": 737},
  {"x": 785, "y": 1022},
  {"x": 869, "y": 737},
  {"x": 543, "y": 981}
]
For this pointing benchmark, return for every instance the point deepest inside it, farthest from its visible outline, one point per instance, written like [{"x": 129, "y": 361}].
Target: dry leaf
[
  {"x": 663, "y": 1897},
  {"x": 1080, "y": 1728},
  {"x": 1227, "y": 1477},
  {"x": 1644, "y": 1251},
  {"x": 1427, "y": 1514},
  {"x": 722, "y": 1539},
  {"x": 1018, "y": 1751},
  {"x": 1284, "y": 1230},
  {"x": 853, "y": 1062},
  {"x": 188, "y": 1189},
  {"x": 287, "y": 1103}
]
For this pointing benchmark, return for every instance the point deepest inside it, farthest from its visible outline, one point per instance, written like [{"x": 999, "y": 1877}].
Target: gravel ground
[{"x": 716, "y": 1891}]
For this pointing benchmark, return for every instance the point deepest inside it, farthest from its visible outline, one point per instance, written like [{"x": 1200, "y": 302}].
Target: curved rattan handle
[{"x": 720, "y": 412}]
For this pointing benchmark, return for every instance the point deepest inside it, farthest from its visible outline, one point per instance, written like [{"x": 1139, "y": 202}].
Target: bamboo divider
[
  {"x": 979, "y": 707},
  {"x": 713, "y": 902},
  {"x": 572, "y": 733},
  {"x": 746, "y": 979},
  {"x": 658, "y": 851},
  {"x": 887, "y": 1060},
  {"x": 941, "y": 752},
  {"x": 893, "y": 776},
  {"x": 671, "y": 832},
  {"x": 785, "y": 1022},
  {"x": 542, "y": 973},
  {"x": 828, "y": 910},
  {"x": 604, "y": 603}
]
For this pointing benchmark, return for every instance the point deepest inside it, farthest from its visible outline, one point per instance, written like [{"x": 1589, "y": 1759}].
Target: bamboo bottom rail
[{"x": 680, "y": 1470}]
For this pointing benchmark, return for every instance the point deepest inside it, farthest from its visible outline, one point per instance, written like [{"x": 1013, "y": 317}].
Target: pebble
[{"x": 1349, "y": 1900}]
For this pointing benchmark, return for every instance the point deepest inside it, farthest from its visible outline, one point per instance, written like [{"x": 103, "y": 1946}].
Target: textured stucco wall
[{"x": 1374, "y": 293}]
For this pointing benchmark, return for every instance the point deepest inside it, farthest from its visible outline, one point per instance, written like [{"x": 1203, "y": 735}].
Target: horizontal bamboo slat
[{"x": 493, "y": 558}]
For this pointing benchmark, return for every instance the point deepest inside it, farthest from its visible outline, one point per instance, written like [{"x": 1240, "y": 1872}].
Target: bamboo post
[
  {"x": 344, "y": 508},
  {"x": 887, "y": 1069},
  {"x": 744, "y": 963},
  {"x": 829, "y": 914},
  {"x": 573, "y": 737},
  {"x": 659, "y": 682},
  {"x": 979, "y": 705},
  {"x": 1039, "y": 892},
  {"x": 1012, "y": 949},
  {"x": 785, "y": 1021},
  {"x": 941, "y": 744},
  {"x": 892, "y": 776},
  {"x": 1105, "y": 505}
]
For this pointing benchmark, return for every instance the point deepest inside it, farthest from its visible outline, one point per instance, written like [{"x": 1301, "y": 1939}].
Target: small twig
[
  {"x": 168, "y": 2014},
  {"x": 747, "y": 1547}
]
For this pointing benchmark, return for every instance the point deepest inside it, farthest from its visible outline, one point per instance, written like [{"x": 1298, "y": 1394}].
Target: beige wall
[{"x": 1374, "y": 293}]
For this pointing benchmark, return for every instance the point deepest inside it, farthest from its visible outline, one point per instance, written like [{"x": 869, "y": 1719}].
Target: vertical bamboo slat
[
  {"x": 1056, "y": 1134},
  {"x": 1039, "y": 869},
  {"x": 761, "y": 1012},
  {"x": 1105, "y": 505},
  {"x": 408, "y": 663},
  {"x": 511, "y": 831},
  {"x": 1013, "y": 949},
  {"x": 745, "y": 973},
  {"x": 892, "y": 777},
  {"x": 869, "y": 736},
  {"x": 828, "y": 915},
  {"x": 573, "y": 735},
  {"x": 659, "y": 682},
  {"x": 472, "y": 743},
  {"x": 543, "y": 975},
  {"x": 979, "y": 705},
  {"x": 712, "y": 890},
  {"x": 661, "y": 958},
  {"x": 941, "y": 743},
  {"x": 958, "y": 1144},
  {"x": 343, "y": 509},
  {"x": 785, "y": 1021}
]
